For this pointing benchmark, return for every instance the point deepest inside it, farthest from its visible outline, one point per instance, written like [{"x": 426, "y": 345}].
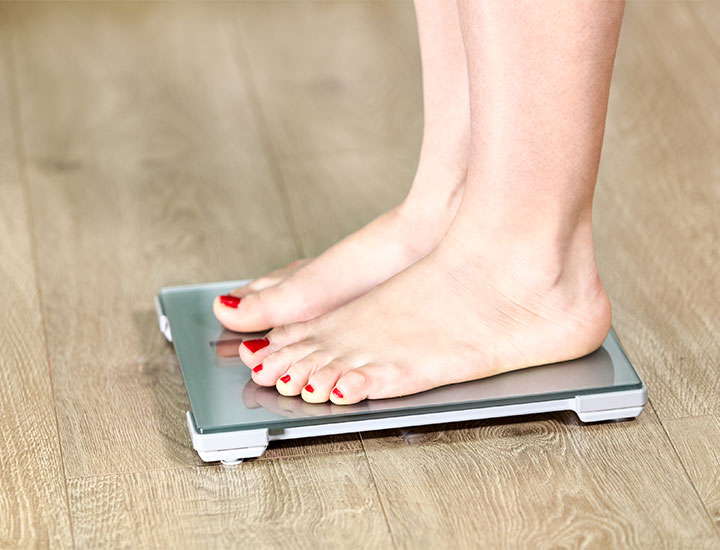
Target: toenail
[
  {"x": 336, "y": 393},
  {"x": 229, "y": 300},
  {"x": 258, "y": 368},
  {"x": 309, "y": 388},
  {"x": 254, "y": 345},
  {"x": 285, "y": 379}
]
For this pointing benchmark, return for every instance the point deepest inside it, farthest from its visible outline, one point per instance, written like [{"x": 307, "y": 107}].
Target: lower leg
[
  {"x": 539, "y": 74},
  {"x": 446, "y": 116},
  {"x": 399, "y": 237}
]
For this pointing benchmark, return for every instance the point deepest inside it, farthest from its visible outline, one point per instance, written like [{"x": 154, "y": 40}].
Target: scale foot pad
[{"x": 232, "y": 447}]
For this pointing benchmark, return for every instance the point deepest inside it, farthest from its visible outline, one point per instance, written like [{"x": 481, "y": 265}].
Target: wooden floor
[{"x": 149, "y": 144}]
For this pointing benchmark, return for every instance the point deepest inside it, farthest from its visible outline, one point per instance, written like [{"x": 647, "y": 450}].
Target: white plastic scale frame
[{"x": 232, "y": 447}]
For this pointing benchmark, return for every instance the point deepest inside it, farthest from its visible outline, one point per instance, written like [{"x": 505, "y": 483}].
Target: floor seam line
[
  {"x": 688, "y": 417},
  {"x": 377, "y": 491},
  {"x": 687, "y": 476},
  {"x": 245, "y": 73}
]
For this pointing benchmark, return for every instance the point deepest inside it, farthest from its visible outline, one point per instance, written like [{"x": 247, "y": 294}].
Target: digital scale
[{"x": 232, "y": 418}]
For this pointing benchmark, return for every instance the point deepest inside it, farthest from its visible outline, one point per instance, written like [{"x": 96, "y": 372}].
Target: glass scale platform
[{"x": 232, "y": 418}]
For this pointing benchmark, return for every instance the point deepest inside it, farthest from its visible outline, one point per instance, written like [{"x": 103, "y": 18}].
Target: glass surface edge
[{"x": 409, "y": 411}]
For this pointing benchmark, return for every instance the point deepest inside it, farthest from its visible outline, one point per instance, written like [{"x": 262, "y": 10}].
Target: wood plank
[
  {"x": 334, "y": 76},
  {"x": 317, "y": 501},
  {"x": 33, "y": 499},
  {"x": 657, "y": 206},
  {"x": 543, "y": 482},
  {"x": 145, "y": 170},
  {"x": 697, "y": 441}
]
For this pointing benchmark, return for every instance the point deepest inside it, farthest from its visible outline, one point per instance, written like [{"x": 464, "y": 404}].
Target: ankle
[
  {"x": 541, "y": 260},
  {"x": 436, "y": 192},
  {"x": 546, "y": 282}
]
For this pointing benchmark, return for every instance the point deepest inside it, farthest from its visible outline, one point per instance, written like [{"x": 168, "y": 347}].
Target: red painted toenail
[
  {"x": 336, "y": 393},
  {"x": 309, "y": 388},
  {"x": 229, "y": 300},
  {"x": 285, "y": 379},
  {"x": 258, "y": 368},
  {"x": 254, "y": 345}
]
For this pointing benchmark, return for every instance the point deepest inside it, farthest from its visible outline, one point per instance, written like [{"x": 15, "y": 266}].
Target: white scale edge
[{"x": 233, "y": 447}]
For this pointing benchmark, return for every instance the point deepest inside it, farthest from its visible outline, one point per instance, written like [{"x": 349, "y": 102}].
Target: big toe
[{"x": 261, "y": 310}]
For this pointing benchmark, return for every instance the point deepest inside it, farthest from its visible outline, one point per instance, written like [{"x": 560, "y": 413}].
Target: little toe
[
  {"x": 322, "y": 382},
  {"x": 277, "y": 363},
  {"x": 373, "y": 381},
  {"x": 296, "y": 376}
]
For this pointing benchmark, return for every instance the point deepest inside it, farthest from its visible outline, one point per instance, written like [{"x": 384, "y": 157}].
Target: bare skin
[
  {"x": 308, "y": 288},
  {"x": 513, "y": 283}
]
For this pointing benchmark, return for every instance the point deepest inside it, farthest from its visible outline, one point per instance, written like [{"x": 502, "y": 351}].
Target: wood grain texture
[
  {"x": 658, "y": 203},
  {"x": 33, "y": 500},
  {"x": 162, "y": 141},
  {"x": 146, "y": 170},
  {"x": 315, "y": 501},
  {"x": 546, "y": 482},
  {"x": 697, "y": 441},
  {"x": 334, "y": 76}
]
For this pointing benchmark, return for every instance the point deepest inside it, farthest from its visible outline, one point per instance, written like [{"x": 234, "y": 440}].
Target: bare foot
[
  {"x": 308, "y": 288},
  {"x": 449, "y": 318}
]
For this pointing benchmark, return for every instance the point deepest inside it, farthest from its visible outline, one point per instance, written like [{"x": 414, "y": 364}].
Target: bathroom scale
[{"x": 232, "y": 418}]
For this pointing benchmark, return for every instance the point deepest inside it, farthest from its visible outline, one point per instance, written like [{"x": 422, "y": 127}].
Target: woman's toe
[
  {"x": 285, "y": 335},
  {"x": 253, "y": 351},
  {"x": 240, "y": 291},
  {"x": 373, "y": 381},
  {"x": 255, "y": 311},
  {"x": 295, "y": 378},
  {"x": 272, "y": 367},
  {"x": 322, "y": 381}
]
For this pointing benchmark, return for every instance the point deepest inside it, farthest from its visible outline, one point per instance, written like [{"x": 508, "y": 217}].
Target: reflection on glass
[
  {"x": 226, "y": 349},
  {"x": 592, "y": 370}
]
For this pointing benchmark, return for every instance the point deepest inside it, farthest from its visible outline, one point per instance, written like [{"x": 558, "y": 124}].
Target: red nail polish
[
  {"x": 309, "y": 388},
  {"x": 336, "y": 393},
  {"x": 258, "y": 368},
  {"x": 285, "y": 379},
  {"x": 254, "y": 345},
  {"x": 230, "y": 301}
]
